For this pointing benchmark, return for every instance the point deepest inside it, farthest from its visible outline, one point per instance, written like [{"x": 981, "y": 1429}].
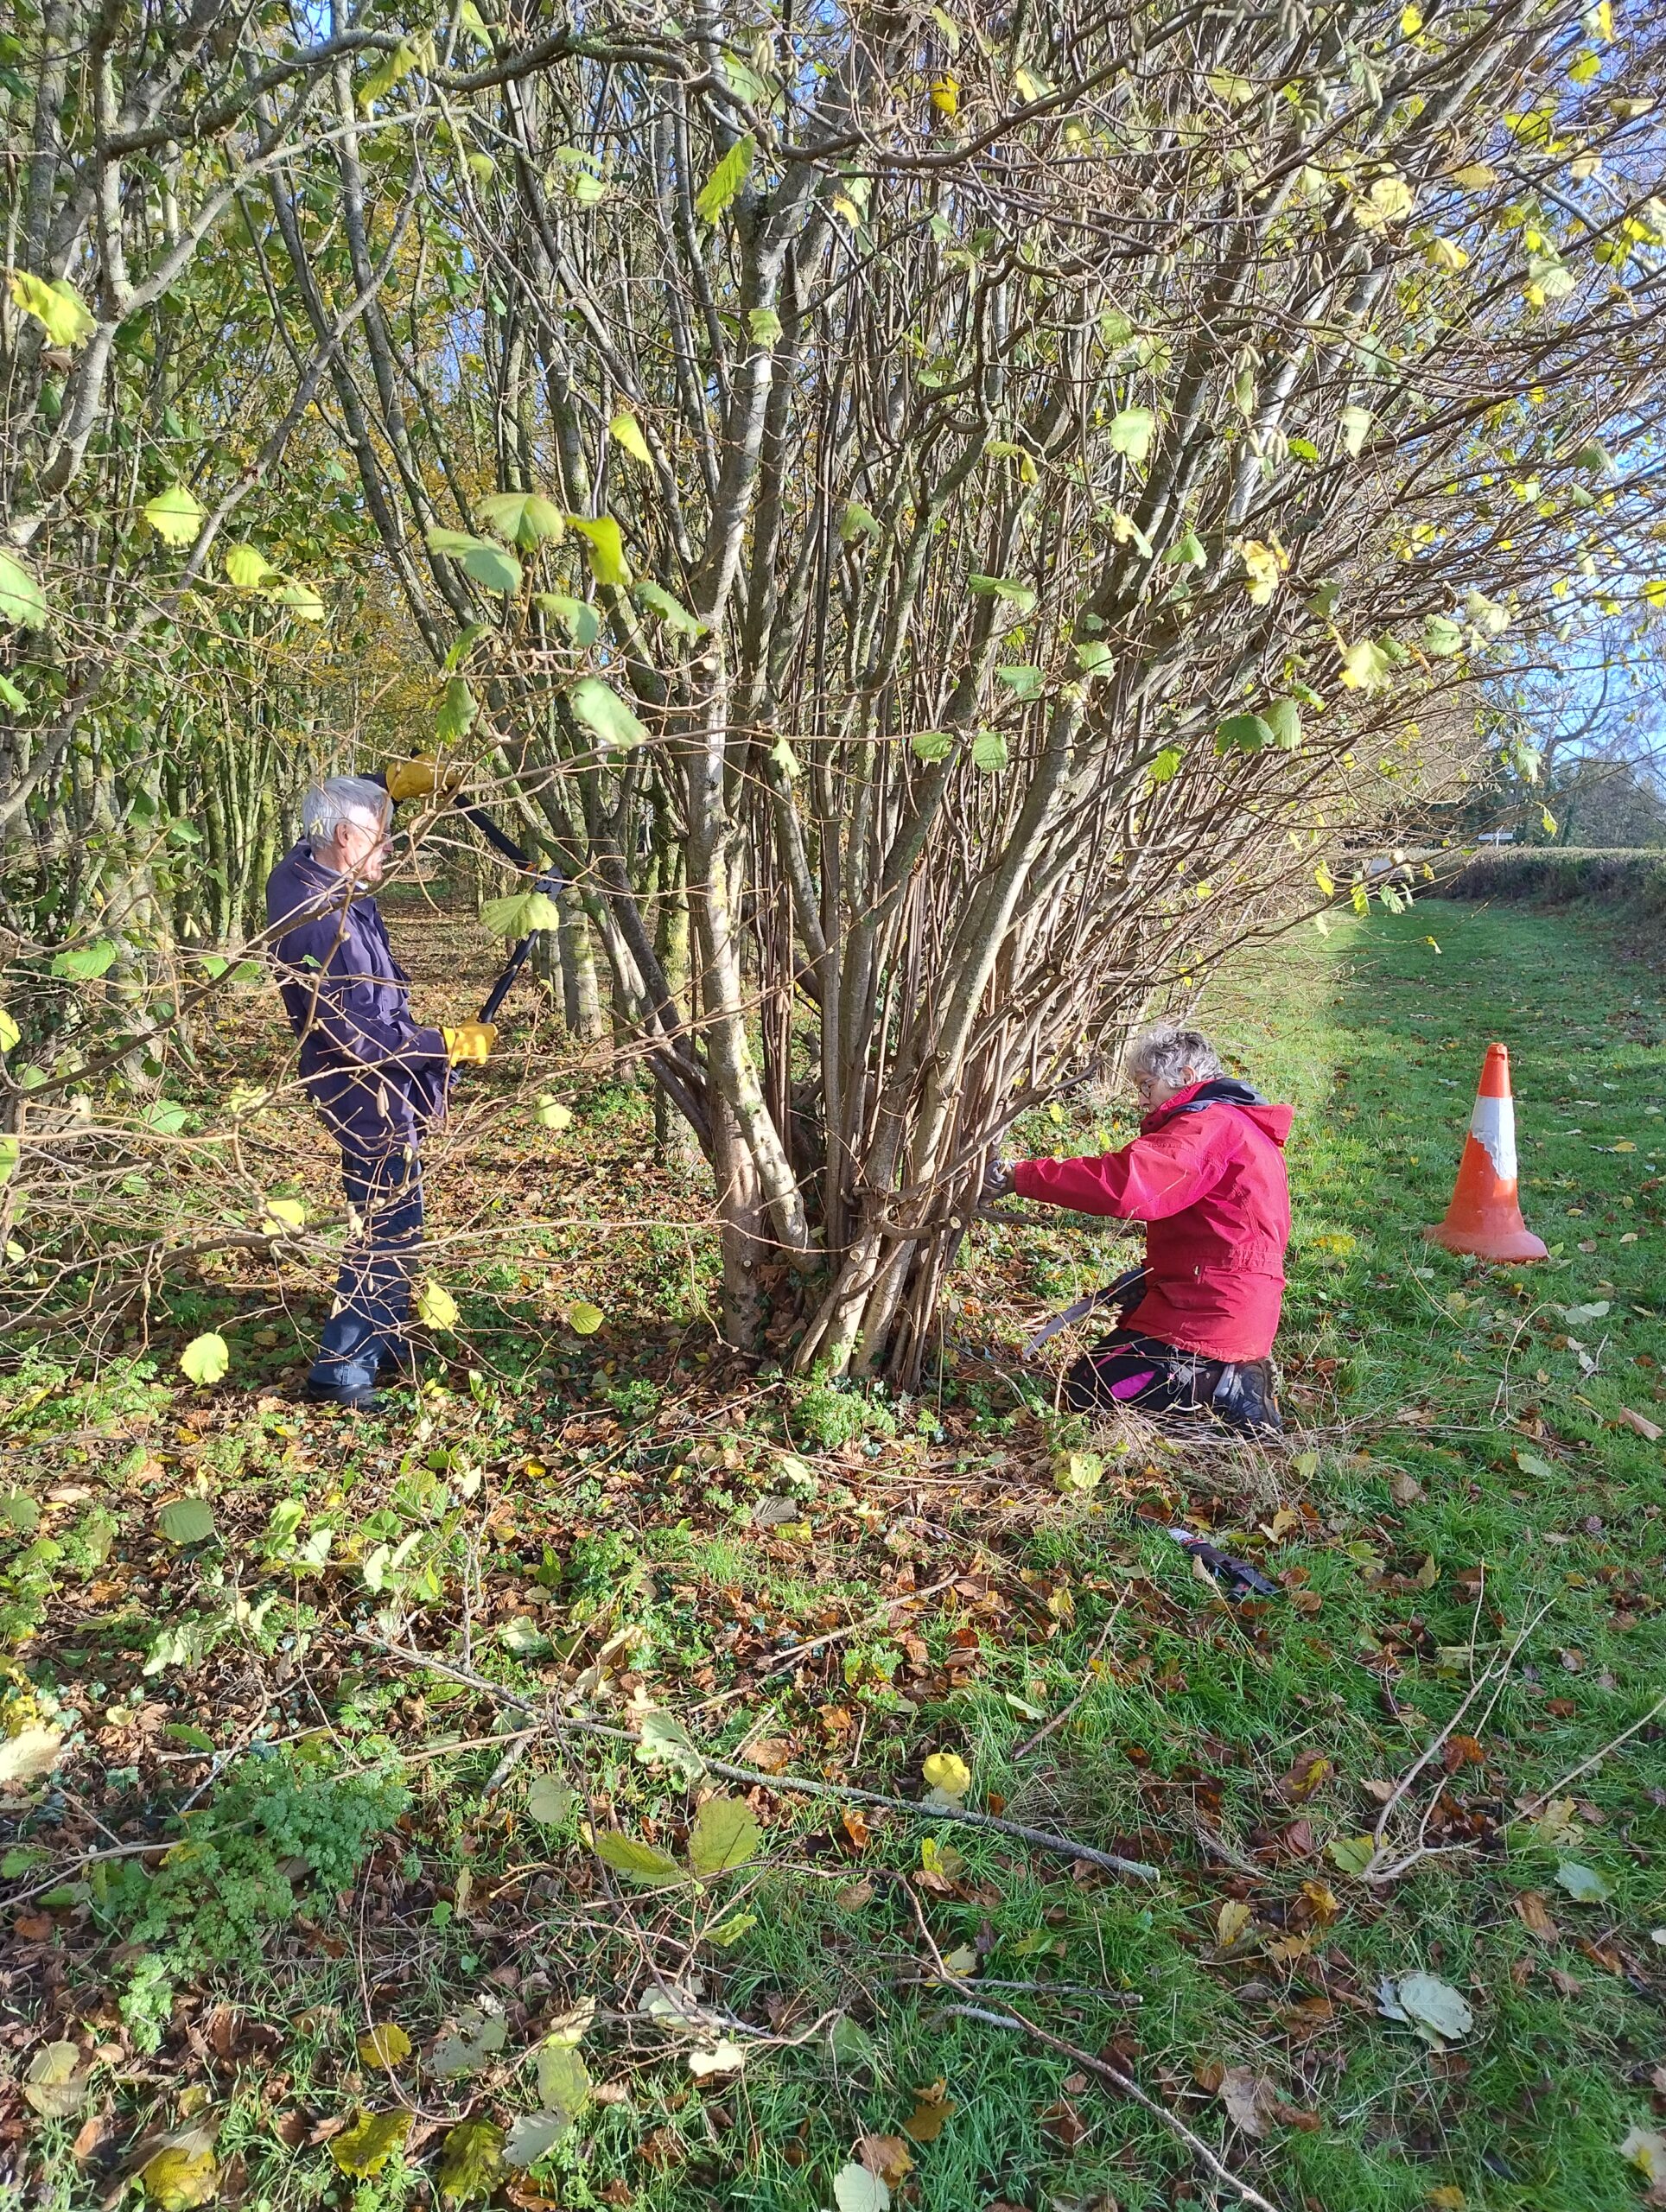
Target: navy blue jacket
[{"x": 377, "y": 1078}]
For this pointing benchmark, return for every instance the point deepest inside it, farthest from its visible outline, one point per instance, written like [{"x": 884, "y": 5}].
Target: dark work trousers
[
  {"x": 373, "y": 1292},
  {"x": 1127, "y": 1369}
]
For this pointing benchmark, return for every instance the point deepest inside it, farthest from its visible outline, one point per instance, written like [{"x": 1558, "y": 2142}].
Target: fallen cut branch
[
  {"x": 1128, "y": 2088},
  {"x": 1038, "y": 1839}
]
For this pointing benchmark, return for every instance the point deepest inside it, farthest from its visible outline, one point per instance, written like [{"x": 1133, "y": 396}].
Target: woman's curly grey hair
[
  {"x": 1175, "y": 1055},
  {"x": 339, "y": 799}
]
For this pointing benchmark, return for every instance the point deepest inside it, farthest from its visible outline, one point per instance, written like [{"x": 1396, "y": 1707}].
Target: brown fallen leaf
[
  {"x": 855, "y": 1825},
  {"x": 933, "y": 2109},
  {"x": 1248, "y": 2097},
  {"x": 854, "y": 1895},
  {"x": 1404, "y": 1489},
  {"x": 1649, "y": 1431},
  {"x": 90, "y": 2138},
  {"x": 1533, "y": 1912},
  {"x": 888, "y": 2156},
  {"x": 1064, "y": 2124},
  {"x": 1311, "y": 1771},
  {"x": 769, "y": 1754}
]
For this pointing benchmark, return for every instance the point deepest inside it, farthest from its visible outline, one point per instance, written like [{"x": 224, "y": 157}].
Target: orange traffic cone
[{"x": 1486, "y": 1216}]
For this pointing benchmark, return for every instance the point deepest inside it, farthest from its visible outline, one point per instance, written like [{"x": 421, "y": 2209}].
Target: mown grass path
[{"x": 1473, "y": 1500}]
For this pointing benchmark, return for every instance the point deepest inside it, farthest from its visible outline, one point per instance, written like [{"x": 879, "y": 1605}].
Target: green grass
[{"x": 1458, "y": 1478}]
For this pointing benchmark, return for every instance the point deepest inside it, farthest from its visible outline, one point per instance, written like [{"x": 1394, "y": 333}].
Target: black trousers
[{"x": 1128, "y": 1368}]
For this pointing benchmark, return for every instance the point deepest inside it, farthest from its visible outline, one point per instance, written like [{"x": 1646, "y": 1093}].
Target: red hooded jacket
[{"x": 1206, "y": 1174}]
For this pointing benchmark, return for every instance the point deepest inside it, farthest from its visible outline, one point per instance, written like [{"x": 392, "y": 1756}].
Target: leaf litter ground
[{"x": 531, "y": 1961}]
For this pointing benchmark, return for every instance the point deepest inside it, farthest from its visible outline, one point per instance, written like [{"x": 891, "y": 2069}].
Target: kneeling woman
[{"x": 1207, "y": 1174}]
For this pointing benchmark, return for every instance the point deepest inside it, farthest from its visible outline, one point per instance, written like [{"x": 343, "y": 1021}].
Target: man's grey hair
[
  {"x": 339, "y": 799},
  {"x": 1171, "y": 1055}
]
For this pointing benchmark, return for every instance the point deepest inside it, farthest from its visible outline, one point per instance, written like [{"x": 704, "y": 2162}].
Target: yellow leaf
[
  {"x": 180, "y": 2177},
  {"x": 365, "y": 2148},
  {"x": 948, "y": 1772},
  {"x": 57, "y": 306},
  {"x": 628, "y": 431},
  {"x": 945, "y": 96},
  {"x": 551, "y": 1114},
  {"x": 584, "y": 1319},
  {"x": 385, "y": 2044},
  {"x": 1233, "y": 1923},
  {"x": 436, "y": 1308},
  {"x": 1475, "y": 176},
  {"x": 1411, "y": 22},
  {"x": 285, "y": 1213}
]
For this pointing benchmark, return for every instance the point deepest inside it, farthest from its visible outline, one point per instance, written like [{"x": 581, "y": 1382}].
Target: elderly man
[
  {"x": 379, "y": 1081},
  {"x": 1196, "y": 1324}
]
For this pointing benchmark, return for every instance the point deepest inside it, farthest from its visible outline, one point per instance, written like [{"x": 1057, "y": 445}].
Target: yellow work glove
[
  {"x": 470, "y": 1041},
  {"x": 420, "y": 778}
]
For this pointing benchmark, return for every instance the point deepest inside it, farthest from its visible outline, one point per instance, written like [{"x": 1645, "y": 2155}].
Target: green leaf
[
  {"x": 1351, "y": 1853},
  {"x": 1583, "y": 1883},
  {"x": 1093, "y": 656},
  {"x": 1283, "y": 718},
  {"x": 206, "y": 1359},
  {"x": 1164, "y": 766},
  {"x": 550, "y": 1801},
  {"x": 931, "y": 744},
  {"x": 19, "y": 1512},
  {"x": 471, "y": 2165},
  {"x": 365, "y": 2148},
  {"x": 174, "y": 515},
  {"x": 303, "y": 600},
  {"x": 990, "y": 752},
  {"x": 856, "y": 521},
  {"x": 533, "y": 2136},
  {"x": 725, "y": 1833},
  {"x": 396, "y": 63},
  {"x": 627, "y": 431},
  {"x": 524, "y": 517},
  {"x": 1022, "y": 680},
  {"x": 490, "y": 566},
  {"x": 584, "y": 1319},
  {"x": 462, "y": 645},
  {"x": 1355, "y": 424},
  {"x": 731, "y": 1929},
  {"x": 1188, "y": 551},
  {"x": 1132, "y": 431},
  {"x": 186, "y": 1520},
  {"x": 551, "y": 1114},
  {"x": 1021, "y": 595},
  {"x": 1442, "y": 637},
  {"x": 12, "y": 697},
  {"x": 520, "y": 913},
  {"x": 664, "y": 1741},
  {"x": 22, "y": 602},
  {"x": 1434, "y": 2006},
  {"x": 86, "y": 963},
  {"x": 247, "y": 567},
  {"x": 670, "y": 610},
  {"x": 10, "y": 1152},
  {"x": 577, "y": 616},
  {"x": 1242, "y": 734},
  {"x": 436, "y": 1308},
  {"x": 639, "y": 1862},
  {"x": 564, "y": 2082},
  {"x": 457, "y": 711},
  {"x": 55, "y": 305},
  {"x": 720, "y": 188},
  {"x": 601, "y": 710},
  {"x": 765, "y": 325},
  {"x": 607, "y": 561}
]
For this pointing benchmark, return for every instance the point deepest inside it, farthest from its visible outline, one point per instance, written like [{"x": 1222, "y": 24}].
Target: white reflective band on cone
[{"x": 1492, "y": 1125}]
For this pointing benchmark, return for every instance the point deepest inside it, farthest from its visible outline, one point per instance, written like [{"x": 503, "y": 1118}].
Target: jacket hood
[{"x": 1274, "y": 1122}]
